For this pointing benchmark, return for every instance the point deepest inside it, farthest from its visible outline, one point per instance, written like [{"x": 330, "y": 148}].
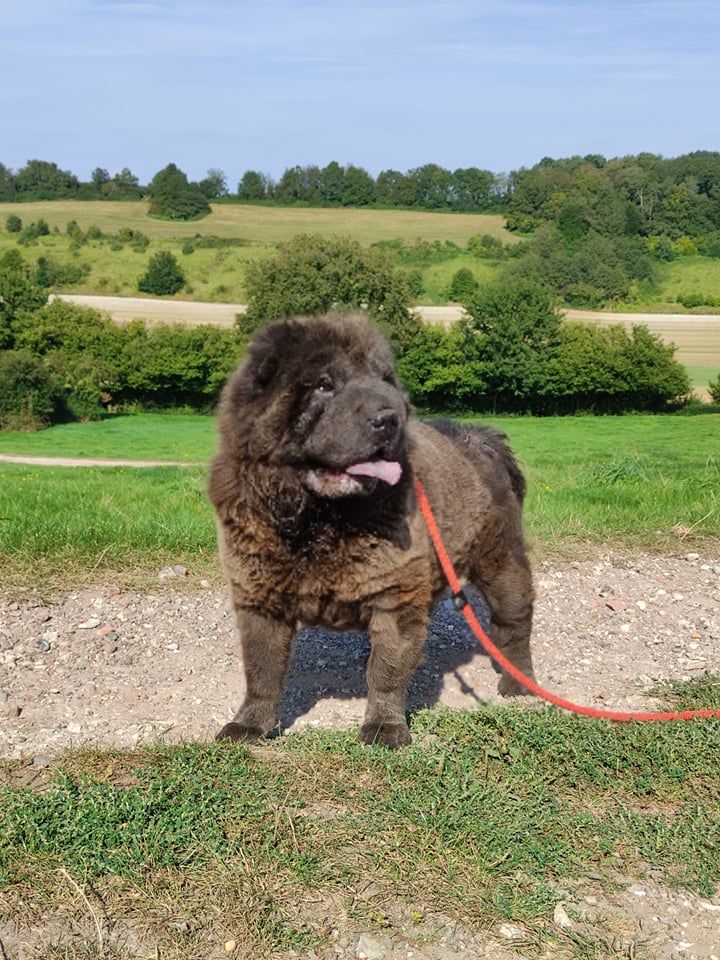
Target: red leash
[{"x": 500, "y": 658}]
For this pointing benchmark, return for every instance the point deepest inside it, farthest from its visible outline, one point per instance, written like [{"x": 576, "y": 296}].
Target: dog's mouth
[{"x": 357, "y": 478}]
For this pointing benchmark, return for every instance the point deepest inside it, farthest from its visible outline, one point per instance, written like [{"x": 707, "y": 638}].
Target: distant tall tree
[
  {"x": 473, "y": 189},
  {"x": 99, "y": 177},
  {"x": 358, "y": 188},
  {"x": 214, "y": 184},
  {"x": 7, "y": 182},
  {"x": 392, "y": 188},
  {"x": 291, "y": 185},
  {"x": 42, "y": 180},
  {"x": 332, "y": 182},
  {"x": 253, "y": 186}
]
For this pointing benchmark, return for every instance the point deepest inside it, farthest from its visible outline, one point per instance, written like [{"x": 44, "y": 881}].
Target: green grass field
[
  {"x": 490, "y": 816},
  {"x": 622, "y": 481}
]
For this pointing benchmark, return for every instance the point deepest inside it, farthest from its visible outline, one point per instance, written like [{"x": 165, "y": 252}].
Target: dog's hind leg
[
  {"x": 266, "y": 647},
  {"x": 508, "y": 590}
]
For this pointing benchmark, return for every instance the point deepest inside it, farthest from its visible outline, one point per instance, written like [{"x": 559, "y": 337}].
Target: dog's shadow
[{"x": 329, "y": 665}]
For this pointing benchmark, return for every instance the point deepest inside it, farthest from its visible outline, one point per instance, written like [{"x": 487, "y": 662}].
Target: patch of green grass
[
  {"x": 139, "y": 436},
  {"x": 686, "y": 275},
  {"x": 625, "y": 481},
  {"x": 488, "y": 817},
  {"x": 437, "y": 277},
  {"x": 62, "y": 525}
]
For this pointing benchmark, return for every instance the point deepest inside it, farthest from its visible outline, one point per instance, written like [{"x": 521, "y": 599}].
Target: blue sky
[{"x": 263, "y": 84}]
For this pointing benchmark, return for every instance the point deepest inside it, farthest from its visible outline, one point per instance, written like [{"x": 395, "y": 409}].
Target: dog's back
[{"x": 484, "y": 447}]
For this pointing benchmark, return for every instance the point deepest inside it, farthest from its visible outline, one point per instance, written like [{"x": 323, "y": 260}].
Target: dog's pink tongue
[{"x": 388, "y": 470}]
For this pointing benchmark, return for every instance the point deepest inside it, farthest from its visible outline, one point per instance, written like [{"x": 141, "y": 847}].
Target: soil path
[
  {"x": 125, "y": 309},
  {"x": 89, "y": 462}
]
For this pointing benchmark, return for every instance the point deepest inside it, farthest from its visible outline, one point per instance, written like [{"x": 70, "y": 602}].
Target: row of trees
[
  {"x": 429, "y": 187},
  {"x": 642, "y": 195}
]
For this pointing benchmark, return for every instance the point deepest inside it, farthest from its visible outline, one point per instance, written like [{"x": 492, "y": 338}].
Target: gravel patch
[{"x": 115, "y": 668}]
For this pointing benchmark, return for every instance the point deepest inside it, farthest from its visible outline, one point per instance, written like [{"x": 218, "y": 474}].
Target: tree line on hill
[
  {"x": 644, "y": 194},
  {"x": 512, "y": 352}
]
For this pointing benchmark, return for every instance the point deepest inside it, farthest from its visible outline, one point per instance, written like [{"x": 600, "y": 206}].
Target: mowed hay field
[{"x": 265, "y": 224}]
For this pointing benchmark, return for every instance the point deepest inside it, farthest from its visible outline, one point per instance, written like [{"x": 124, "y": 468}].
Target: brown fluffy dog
[{"x": 318, "y": 522}]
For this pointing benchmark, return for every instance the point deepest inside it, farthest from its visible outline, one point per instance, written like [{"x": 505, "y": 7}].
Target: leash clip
[{"x": 459, "y": 599}]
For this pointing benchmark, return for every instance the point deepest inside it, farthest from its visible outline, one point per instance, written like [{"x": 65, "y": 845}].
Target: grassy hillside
[{"x": 261, "y": 224}]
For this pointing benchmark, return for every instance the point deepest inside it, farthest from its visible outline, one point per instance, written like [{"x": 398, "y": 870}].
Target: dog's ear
[{"x": 266, "y": 352}]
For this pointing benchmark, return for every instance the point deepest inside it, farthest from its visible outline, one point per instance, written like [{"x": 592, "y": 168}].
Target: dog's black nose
[{"x": 385, "y": 422}]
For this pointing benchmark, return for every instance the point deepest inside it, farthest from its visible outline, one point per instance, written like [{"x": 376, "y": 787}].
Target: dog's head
[{"x": 319, "y": 395}]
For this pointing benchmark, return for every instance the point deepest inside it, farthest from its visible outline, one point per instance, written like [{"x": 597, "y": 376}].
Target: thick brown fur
[{"x": 304, "y": 544}]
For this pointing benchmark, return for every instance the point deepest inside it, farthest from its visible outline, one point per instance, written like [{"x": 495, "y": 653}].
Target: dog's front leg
[
  {"x": 397, "y": 640},
  {"x": 266, "y": 646}
]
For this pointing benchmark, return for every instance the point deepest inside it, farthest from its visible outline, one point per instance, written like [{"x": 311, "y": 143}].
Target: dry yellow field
[{"x": 259, "y": 224}]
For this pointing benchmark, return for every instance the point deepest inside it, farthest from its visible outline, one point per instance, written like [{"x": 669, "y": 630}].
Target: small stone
[
  {"x": 204, "y": 583},
  {"x": 606, "y": 591},
  {"x": 168, "y": 573},
  {"x": 641, "y": 605},
  {"x": 368, "y": 949},
  {"x": 4, "y": 696},
  {"x": 615, "y": 605},
  {"x": 13, "y": 711},
  {"x": 91, "y": 624},
  {"x": 74, "y": 727},
  {"x": 230, "y": 945},
  {"x": 42, "y": 645},
  {"x": 511, "y": 931},
  {"x": 561, "y": 918},
  {"x": 692, "y": 556}
]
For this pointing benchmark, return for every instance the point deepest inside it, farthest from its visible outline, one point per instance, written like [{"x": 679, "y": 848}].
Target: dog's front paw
[
  {"x": 392, "y": 735},
  {"x": 239, "y": 731}
]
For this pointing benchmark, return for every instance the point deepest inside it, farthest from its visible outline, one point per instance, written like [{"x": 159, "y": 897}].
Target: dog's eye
[{"x": 324, "y": 384}]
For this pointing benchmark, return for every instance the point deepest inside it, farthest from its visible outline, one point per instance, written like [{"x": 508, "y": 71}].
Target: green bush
[
  {"x": 443, "y": 369},
  {"x": 462, "y": 286},
  {"x": 514, "y": 353},
  {"x": 13, "y": 224},
  {"x": 312, "y": 274},
  {"x": 30, "y": 397},
  {"x": 19, "y": 294},
  {"x": 173, "y": 365},
  {"x": 485, "y": 246},
  {"x": 32, "y": 231},
  {"x": 714, "y": 388},
  {"x": 163, "y": 276},
  {"x": 50, "y": 273}
]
